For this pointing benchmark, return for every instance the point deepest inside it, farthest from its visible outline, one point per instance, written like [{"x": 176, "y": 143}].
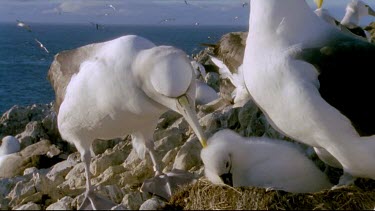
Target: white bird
[
  {"x": 23, "y": 25},
  {"x": 121, "y": 87},
  {"x": 355, "y": 10},
  {"x": 9, "y": 145},
  {"x": 204, "y": 93},
  {"x": 42, "y": 46},
  {"x": 260, "y": 162},
  {"x": 111, "y": 6},
  {"x": 350, "y": 23},
  {"x": 199, "y": 69},
  {"x": 312, "y": 82},
  {"x": 240, "y": 95}
]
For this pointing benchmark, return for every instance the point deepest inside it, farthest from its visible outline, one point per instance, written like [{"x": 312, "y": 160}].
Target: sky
[{"x": 176, "y": 12}]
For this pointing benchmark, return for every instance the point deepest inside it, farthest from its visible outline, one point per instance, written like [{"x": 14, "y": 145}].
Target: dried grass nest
[{"x": 203, "y": 195}]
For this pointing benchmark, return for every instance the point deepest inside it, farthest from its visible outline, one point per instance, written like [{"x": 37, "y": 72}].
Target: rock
[
  {"x": 58, "y": 172},
  {"x": 62, "y": 204},
  {"x": 29, "y": 206},
  {"x": 22, "y": 190},
  {"x": 213, "y": 80},
  {"x": 34, "y": 155},
  {"x": 100, "y": 146},
  {"x": 112, "y": 175},
  {"x": 11, "y": 165},
  {"x": 119, "y": 207},
  {"x": 15, "y": 119},
  {"x": 155, "y": 203},
  {"x": 134, "y": 200},
  {"x": 76, "y": 177},
  {"x": 30, "y": 170},
  {"x": 32, "y": 133},
  {"x": 231, "y": 49},
  {"x": 7, "y": 184},
  {"x": 189, "y": 155},
  {"x": 109, "y": 158},
  {"x": 112, "y": 192}
]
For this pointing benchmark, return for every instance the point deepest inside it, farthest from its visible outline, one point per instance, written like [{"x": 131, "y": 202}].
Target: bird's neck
[
  {"x": 351, "y": 18},
  {"x": 283, "y": 22}
]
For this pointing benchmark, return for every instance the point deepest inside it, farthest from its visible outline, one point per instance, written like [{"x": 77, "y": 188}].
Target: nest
[{"x": 203, "y": 195}]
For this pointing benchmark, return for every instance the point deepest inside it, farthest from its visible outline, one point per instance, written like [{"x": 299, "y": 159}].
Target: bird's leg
[
  {"x": 345, "y": 180},
  {"x": 86, "y": 158},
  {"x": 151, "y": 151}
]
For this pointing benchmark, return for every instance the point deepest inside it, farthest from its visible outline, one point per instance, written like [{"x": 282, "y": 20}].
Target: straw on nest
[{"x": 204, "y": 195}]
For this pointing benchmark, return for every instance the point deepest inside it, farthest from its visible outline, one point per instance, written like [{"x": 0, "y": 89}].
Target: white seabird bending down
[
  {"x": 260, "y": 162},
  {"x": 117, "y": 88},
  {"x": 313, "y": 82}
]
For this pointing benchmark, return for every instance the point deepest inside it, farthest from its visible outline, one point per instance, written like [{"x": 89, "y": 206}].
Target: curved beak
[
  {"x": 191, "y": 117},
  {"x": 319, "y": 3},
  {"x": 227, "y": 178}
]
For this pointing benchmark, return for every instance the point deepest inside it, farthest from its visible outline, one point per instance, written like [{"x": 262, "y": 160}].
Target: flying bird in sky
[
  {"x": 23, "y": 25},
  {"x": 42, "y": 46}
]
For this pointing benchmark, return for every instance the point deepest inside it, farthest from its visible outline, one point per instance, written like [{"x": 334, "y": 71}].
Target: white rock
[
  {"x": 155, "y": 203},
  {"x": 29, "y": 206},
  {"x": 189, "y": 155},
  {"x": 61, "y": 204},
  {"x": 30, "y": 170},
  {"x": 134, "y": 200},
  {"x": 60, "y": 170},
  {"x": 112, "y": 192}
]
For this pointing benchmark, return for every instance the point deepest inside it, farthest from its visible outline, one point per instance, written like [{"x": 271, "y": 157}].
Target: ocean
[{"x": 24, "y": 65}]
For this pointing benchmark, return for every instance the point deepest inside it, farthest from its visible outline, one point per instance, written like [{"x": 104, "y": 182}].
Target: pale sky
[{"x": 205, "y": 12}]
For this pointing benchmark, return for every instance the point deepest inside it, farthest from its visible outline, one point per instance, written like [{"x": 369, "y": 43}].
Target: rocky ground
[{"x": 47, "y": 173}]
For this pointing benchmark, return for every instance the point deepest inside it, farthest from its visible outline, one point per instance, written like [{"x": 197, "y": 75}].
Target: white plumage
[
  {"x": 355, "y": 9},
  {"x": 310, "y": 80},
  {"x": 9, "y": 145},
  {"x": 122, "y": 87},
  {"x": 260, "y": 162},
  {"x": 240, "y": 95}
]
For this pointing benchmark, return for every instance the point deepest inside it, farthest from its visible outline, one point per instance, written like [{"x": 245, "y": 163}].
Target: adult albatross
[
  {"x": 313, "y": 82},
  {"x": 122, "y": 86}
]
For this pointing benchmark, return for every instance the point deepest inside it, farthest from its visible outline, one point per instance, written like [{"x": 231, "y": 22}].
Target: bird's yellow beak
[
  {"x": 319, "y": 3},
  {"x": 191, "y": 117}
]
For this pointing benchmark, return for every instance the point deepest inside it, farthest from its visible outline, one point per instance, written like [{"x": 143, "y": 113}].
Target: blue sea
[{"x": 24, "y": 65}]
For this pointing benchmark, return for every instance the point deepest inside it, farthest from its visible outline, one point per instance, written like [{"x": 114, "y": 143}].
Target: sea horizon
[{"x": 24, "y": 65}]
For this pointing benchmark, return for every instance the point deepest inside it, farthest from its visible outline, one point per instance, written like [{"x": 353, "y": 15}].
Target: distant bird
[
  {"x": 312, "y": 82},
  {"x": 186, "y": 2},
  {"x": 260, "y": 162},
  {"x": 197, "y": 23},
  {"x": 121, "y": 87},
  {"x": 111, "y": 6},
  {"x": 354, "y": 11},
  {"x": 167, "y": 20},
  {"x": 9, "y": 145},
  {"x": 350, "y": 23},
  {"x": 236, "y": 18},
  {"x": 41, "y": 45},
  {"x": 244, "y": 4},
  {"x": 23, "y": 25}
]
